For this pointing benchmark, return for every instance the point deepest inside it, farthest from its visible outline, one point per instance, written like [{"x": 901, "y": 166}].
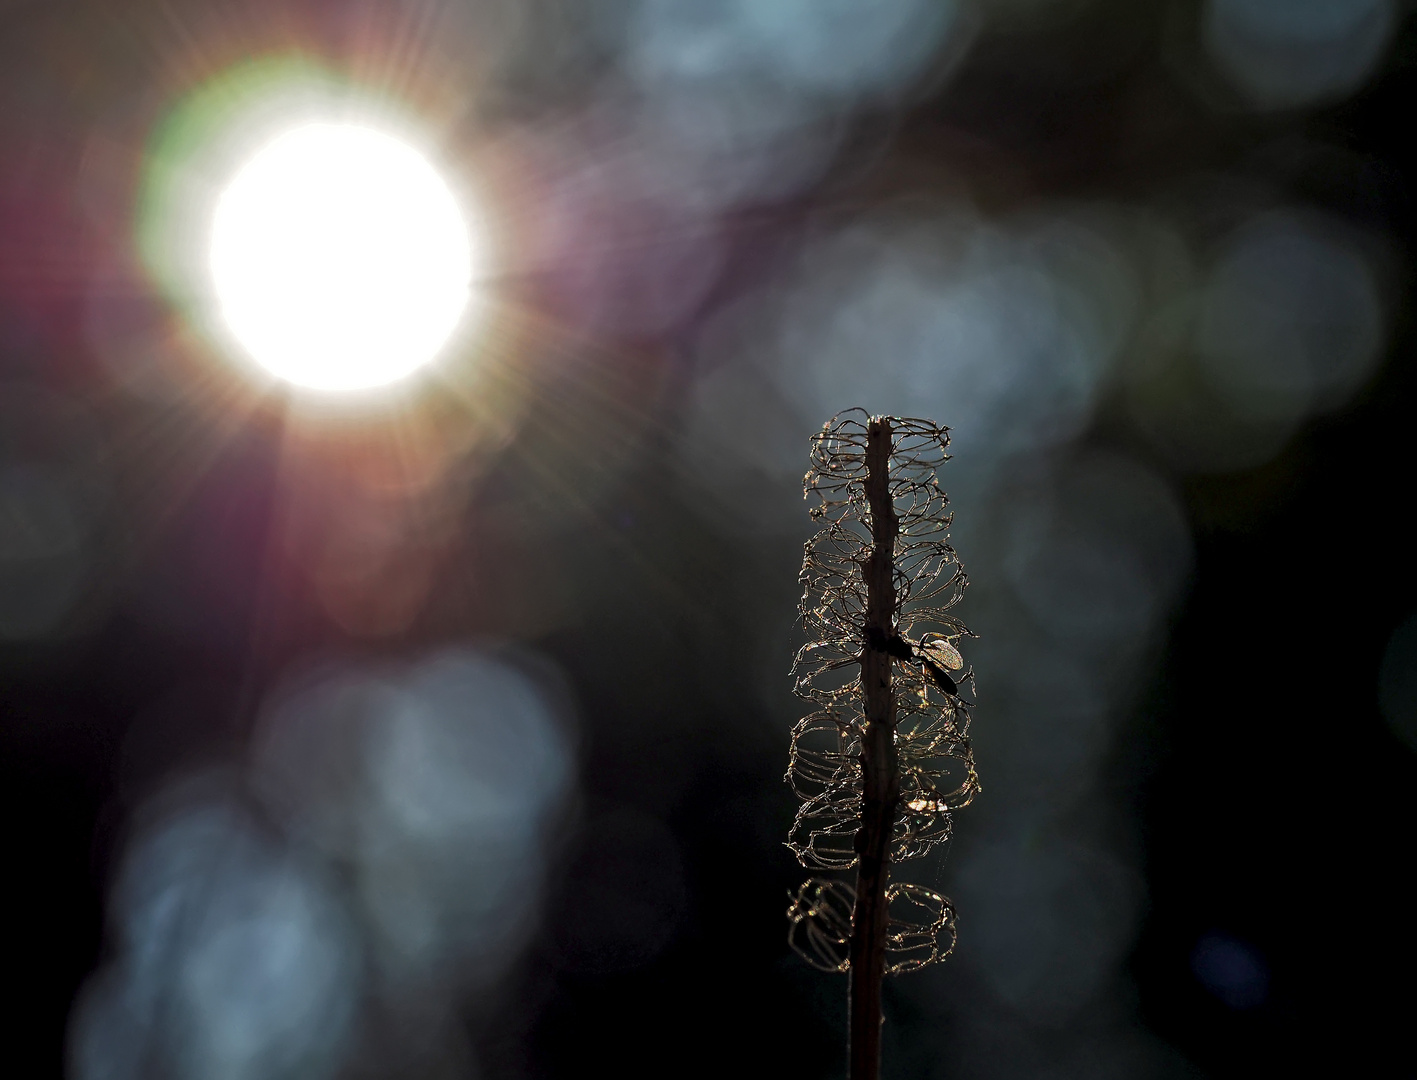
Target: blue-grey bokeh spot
[
  {"x": 237, "y": 959},
  {"x": 1284, "y": 53},
  {"x": 1291, "y": 321},
  {"x": 1231, "y": 970}
]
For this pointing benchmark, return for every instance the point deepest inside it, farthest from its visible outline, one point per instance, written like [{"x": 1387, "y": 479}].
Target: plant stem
[{"x": 879, "y": 769}]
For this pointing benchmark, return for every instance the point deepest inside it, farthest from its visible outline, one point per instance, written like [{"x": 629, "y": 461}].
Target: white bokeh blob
[{"x": 340, "y": 258}]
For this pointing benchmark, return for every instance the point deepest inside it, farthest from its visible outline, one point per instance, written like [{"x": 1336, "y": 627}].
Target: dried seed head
[{"x": 930, "y": 716}]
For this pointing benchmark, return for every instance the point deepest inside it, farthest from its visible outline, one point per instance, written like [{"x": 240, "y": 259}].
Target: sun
[{"x": 340, "y": 259}]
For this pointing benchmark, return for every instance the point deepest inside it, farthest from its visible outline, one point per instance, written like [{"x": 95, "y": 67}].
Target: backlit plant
[{"x": 884, "y": 757}]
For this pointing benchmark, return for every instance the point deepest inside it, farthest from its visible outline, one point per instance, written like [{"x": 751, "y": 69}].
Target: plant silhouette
[{"x": 884, "y": 757}]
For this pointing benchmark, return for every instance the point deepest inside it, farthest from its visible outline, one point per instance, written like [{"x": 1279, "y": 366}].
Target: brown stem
[{"x": 880, "y": 774}]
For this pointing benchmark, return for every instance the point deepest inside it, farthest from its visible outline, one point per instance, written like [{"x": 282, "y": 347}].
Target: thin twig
[{"x": 880, "y": 772}]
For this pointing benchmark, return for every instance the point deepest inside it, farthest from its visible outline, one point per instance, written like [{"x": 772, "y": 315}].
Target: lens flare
[{"x": 340, "y": 258}]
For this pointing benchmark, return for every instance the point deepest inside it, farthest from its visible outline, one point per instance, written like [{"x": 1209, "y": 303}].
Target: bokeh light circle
[{"x": 340, "y": 259}]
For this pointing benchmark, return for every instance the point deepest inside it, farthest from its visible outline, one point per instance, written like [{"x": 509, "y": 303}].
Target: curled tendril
[
  {"x": 921, "y": 928},
  {"x": 819, "y": 923},
  {"x": 932, "y": 712}
]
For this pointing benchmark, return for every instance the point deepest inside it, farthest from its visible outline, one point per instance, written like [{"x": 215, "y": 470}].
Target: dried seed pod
[
  {"x": 885, "y": 757},
  {"x": 921, "y": 928},
  {"x": 819, "y": 923}
]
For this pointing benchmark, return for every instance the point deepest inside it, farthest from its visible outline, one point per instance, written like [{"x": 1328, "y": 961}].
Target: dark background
[{"x": 555, "y": 584}]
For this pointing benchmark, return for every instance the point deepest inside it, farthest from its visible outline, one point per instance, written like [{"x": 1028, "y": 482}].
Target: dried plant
[{"x": 884, "y": 757}]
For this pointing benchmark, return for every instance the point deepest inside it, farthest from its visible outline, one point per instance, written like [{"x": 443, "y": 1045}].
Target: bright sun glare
[{"x": 340, "y": 258}]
